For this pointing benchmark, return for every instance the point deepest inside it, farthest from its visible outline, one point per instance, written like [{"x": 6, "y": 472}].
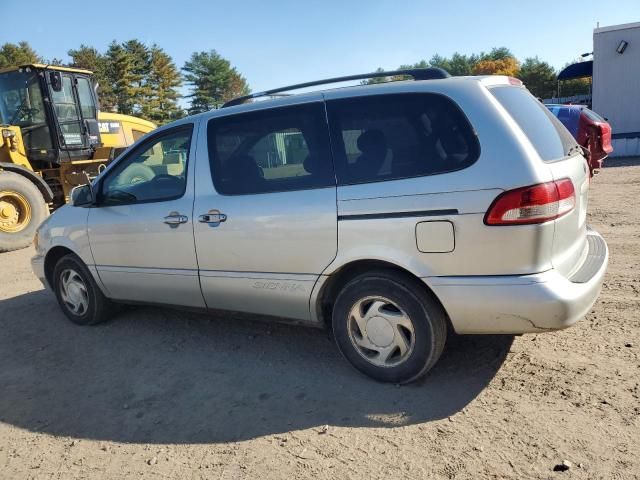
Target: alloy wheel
[
  {"x": 381, "y": 331},
  {"x": 74, "y": 292}
]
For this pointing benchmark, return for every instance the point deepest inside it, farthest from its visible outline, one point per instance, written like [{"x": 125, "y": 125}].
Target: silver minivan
[{"x": 387, "y": 213}]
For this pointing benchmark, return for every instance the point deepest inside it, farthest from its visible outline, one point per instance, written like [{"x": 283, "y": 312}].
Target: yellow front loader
[{"x": 54, "y": 137}]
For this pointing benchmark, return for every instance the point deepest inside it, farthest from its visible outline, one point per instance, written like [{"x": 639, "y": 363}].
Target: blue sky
[{"x": 274, "y": 43}]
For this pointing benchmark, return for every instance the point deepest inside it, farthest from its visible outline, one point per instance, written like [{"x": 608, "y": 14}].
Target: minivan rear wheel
[
  {"x": 78, "y": 294},
  {"x": 388, "y": 326}
]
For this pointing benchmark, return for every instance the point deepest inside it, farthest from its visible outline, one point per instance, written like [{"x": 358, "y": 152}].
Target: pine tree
[
  {"x": 90, "y": 59},
  {"x": 121, "y": 77},
  {"x": 134, "y": 79},
  {"x": 163, "y": 81},
  {"x": 12, "y": 55},
  {"x": 213, "y": 81},
  {"x": 139, "y": 73}
]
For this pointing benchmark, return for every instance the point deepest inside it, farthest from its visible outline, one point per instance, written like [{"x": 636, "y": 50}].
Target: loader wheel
[{"x": 22, "y": 209}]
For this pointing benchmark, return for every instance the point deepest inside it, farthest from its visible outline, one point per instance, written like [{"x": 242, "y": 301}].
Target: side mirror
[
  {"x": 55, "y": 79},
  {"x": 82, "y": 196}
]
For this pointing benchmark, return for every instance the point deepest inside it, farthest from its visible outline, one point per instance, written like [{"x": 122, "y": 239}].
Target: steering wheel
[
  {"x": 136, "y": 173},
  {"x": 23, "y": 110}
]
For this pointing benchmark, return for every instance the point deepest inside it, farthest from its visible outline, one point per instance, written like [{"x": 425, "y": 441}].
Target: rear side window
[
  {"x": 548, "y": 136},
  {"x": 389, "y": 137},
  {"x": 273, "y": 150}
]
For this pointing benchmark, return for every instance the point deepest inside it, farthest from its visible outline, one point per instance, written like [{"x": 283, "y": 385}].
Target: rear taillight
[
  {"x": 605, "y": 134},
  {"x": 535, "y": 204}
]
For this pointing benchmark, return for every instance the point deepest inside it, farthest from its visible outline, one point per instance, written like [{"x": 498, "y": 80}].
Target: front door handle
[
  {"x": 213, "y": 218},
  {"x": 174, "y": 219}
]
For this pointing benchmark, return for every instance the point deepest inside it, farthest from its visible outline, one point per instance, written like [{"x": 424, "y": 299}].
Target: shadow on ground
[{"x": 159, "y": 376}]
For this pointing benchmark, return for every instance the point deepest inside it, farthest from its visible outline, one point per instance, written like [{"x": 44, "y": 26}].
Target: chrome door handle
[
  {"x": 174, "y": 219},
  {"x": 213, "y": 217}
]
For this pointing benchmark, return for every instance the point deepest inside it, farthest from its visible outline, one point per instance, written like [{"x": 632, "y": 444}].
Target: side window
[
  {"x": 137, "y": 134},
  {"x": 155, "y": 171},
  {"x": 271, "y": 150},
  {"x": 387, "y": 137},
  {"x": 64, "y": 104},
  {"x": 64, "y": 101},
  {"x": 87, "y": 104}
]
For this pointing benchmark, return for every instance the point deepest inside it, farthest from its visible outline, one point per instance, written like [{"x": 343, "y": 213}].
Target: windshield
[{"x": 21, "y": 99}]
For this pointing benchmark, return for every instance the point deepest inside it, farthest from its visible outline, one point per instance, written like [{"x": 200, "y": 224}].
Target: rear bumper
[{"x": 524, "y": 303}]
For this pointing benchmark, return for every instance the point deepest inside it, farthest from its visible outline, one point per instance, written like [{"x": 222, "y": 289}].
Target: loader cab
[{"x": 56, "y": 109}]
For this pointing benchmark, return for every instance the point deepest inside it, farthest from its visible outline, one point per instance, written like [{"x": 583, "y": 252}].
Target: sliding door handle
[{"x": 212, "y": 217}]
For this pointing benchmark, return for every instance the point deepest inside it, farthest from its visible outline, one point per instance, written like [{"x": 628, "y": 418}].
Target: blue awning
[{"x": 577, "y": 70}]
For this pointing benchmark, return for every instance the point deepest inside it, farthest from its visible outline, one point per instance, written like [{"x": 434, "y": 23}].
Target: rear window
[
  {"x": 593, "y": 115},
  {"x": 568, "y": 115},
  {"x": 548, "y": 136},
  {"x": 386, "y": 137}
]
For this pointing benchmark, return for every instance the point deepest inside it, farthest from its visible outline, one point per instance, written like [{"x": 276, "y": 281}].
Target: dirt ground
[{"x": 163, "y": 394}]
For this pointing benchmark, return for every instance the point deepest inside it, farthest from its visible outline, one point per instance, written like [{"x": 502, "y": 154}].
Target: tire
[
  {"x": 388, "y": 326},
  {"x": 74, "y": 285},
  {"x": 22, "y": 210}
]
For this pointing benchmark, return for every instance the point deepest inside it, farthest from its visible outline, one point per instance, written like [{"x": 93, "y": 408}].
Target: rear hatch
[{"x": 559, "y": 151}]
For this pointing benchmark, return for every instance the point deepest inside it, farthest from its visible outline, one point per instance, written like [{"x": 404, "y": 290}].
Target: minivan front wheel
[
  {"x": 388, "y": 326},
  {"x": 78, "y": 295}
]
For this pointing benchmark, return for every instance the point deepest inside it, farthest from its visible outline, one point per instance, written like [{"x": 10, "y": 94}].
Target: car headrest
[
  {"x": 311, "y": 163},
  {"x": 372, "y": 140}
]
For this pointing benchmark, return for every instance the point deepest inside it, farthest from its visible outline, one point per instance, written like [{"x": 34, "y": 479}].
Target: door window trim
[{"x": 137, "y": 149}]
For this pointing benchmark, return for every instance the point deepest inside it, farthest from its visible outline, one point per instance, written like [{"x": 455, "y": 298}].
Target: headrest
[
  {"x": 371, "y": 140},
  {"x": 311, "y": 163}
]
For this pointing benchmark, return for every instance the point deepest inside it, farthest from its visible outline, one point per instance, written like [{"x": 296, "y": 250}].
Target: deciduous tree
[
  {"x": 575, "y": 86},
  {"x": 393, "y": 78},
  {"x": 539, "y": 77},
  {"x": 458, "y": 64},
  {"x": 506, "y": 66}
]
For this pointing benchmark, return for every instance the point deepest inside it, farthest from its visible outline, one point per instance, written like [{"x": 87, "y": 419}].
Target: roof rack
[{"x": 416, "y": 73}]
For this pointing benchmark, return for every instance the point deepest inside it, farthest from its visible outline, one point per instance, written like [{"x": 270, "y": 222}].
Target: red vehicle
[{"x": 589, "y": 129}]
